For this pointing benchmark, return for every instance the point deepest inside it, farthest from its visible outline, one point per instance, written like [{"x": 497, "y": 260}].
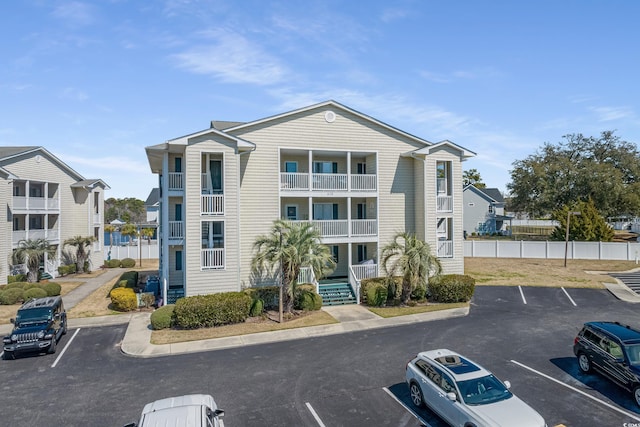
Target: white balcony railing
[
  {"x": 176, "y": 230},
  {"x": 96, "y": 218},
  {"x": 212, "y": 204},
  {"x": 176, "y": 181},
  {"x": 332, "y": 227},
  {"x": 330, "y": 181},
  {"x": 364, "y": 227},
  {"x": 445, "y": 203},
  {"x": 212, "y": 259},
  {"x": 363, "y": 182},
  {"x": 35, "y": 203},
  {"x": 445, "y": 249},
  {"x": 290, "y": 181},
  {"x": 49, "y": 235}
]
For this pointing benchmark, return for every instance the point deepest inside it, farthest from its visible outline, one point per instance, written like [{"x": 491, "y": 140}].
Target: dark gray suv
[
  {"x": 612, "y": 349},
  {"x": 38, "y": 326}
]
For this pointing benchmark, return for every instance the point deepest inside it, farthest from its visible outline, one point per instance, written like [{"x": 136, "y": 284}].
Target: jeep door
[{"x": 613, "y": 362}]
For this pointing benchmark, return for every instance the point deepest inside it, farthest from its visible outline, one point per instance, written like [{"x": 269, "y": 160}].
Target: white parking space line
[
  {"x": 602, "y": 402},
  {"x": 569, "y": 296},
  {"x": 524, "y": 300},
  {"x": 65, "y": 348},
  {"x": 416, "y": 416},
  {"x": 318, "y": 420}
]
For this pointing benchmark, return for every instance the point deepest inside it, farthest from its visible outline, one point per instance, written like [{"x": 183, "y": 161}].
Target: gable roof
[
  {"x": 446, "y": 143},
  {"x": 153, "y": 198},
  {"x": 491, "y": 194},
  {"x": 333, "y": 104},
  {"x": 92, "y": 183}
]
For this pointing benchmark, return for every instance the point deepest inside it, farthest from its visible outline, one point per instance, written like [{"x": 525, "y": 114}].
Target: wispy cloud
[
  {"x": 394, "y": 14},
  {"x": 75, "y": 94},
  {"x": 232, "y": 58},
  {"x": 608, "y": 114},
  {"x": 74, "y": 13}
]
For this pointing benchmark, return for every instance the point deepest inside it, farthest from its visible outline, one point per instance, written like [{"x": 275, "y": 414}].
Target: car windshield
[
  {"x": 33, "y": 315},
  {"x": 633, "y": 351},
  {"x": 482, "y": 391}
]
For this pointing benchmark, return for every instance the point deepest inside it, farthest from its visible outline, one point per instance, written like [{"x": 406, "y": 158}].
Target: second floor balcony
[
  {"x": 24, "y": 203},
  {"x": 176, "y": 230},
  {"x": 344, "y": 227},
  {"x": 296, "y": 181},
  {"x": 51, "y": 235}
]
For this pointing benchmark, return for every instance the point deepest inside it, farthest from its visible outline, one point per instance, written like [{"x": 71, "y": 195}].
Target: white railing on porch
[
  {"x": 212, "y": 204},
  {"x": 176, "y": 181},
  {"x": 50, "y": 235},
  {"x": 307, "y": 275},
  {"x": 176, "y": 229},
  {"x": 363, "y": 182},
  {"x": 364, "y": 227},
  {"x": 332, "y": 227},
  {"x": 212, "y": 258},
  {"x": 292, "y": 181},
  {"x": 445, "y": 203},
  {"x": 365, "y": 271},
  {"x": 445, "y": 248},
  {"x": 354, "y": 282}
]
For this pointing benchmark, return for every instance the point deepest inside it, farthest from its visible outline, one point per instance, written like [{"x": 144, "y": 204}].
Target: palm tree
[
  {"x": 31, "y": 252},
  {"x": 412, "y": 258},
  {"x": 291, "y": 246},
  {"x": 82, "y": 254},
  {"x": 147, "y": 233},
  {"x": 110, "y": 228},
  {"x": 129, "y": 230}
]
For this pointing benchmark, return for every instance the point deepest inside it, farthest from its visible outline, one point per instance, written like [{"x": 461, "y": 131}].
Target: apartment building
[
  {"x": 358, "y": 180},
  {"x": 46, "y": 199}
]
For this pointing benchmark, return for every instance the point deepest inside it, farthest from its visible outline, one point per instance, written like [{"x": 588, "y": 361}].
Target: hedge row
[
  {"x": 124, "y": 263},
  {"x": 63, "y": 270},
  {"x": 212, "y": 310},
  {"x": 162, "y": 318},
  {"x": 18, "y": 292},
  {"x": 17, "y": 278},
  {"x": 128, "y": 279},
  {"x": 452, "y": 288}
]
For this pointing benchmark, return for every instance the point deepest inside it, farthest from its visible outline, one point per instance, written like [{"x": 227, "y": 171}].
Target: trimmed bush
[
  {"x": 212, "y": 310},
  {"x": 147, "y": 299},
  {"x": 16, "y": 285},
  {"x": 452, "y": 288},
  {"x": 162, "y": 318},
  {"x": 131, "y": 277},
  {"x": 268, "y": 294},
  {"x": 419, "y": 293},
  {"x": 63, "y": 270},
  {"x": 27, "y": 286},
  {"x": 112, "y": 263},
  {"x": 308, "y": 300},
  {"x": 123, "y": 299},
  {"x": 17, "y": 278},
  {"x": 52, "y": 288},
  {"x": 376, "y": 294},
  {"x": 257, "y": 308},
  {"x": 11, "y": 296},
  {"x": 34, "y": 293},
  {"x": 128, "y": 263}
]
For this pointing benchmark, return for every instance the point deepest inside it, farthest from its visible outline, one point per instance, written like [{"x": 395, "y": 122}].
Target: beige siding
[
  {"x": 6, "y": 226},
  {"x": 309, "y": 130},
  {"x": 199, "y": 281}
]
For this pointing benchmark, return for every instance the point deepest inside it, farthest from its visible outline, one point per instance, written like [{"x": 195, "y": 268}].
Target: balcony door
[
  {"x": 325, "y": 167},
  {"x": 325, "y": 211},
  {"x": 215, "y": 169}
]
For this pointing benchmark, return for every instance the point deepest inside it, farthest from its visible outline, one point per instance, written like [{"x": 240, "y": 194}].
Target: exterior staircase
[{"x": 336, "y": 293}]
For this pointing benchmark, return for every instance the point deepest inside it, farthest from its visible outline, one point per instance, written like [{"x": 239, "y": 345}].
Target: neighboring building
[
  {"x": 152, "y": 205},
  {"x": 45, "y": 198},
  {"x": 358, "y": 180},
  {"x": 484, "y": 211}
]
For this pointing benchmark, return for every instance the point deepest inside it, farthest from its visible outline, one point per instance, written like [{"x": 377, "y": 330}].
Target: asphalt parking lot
[{"x": 523, "y": 335}]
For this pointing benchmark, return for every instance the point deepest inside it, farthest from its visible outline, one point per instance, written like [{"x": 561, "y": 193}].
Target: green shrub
[
  {"x": 27, "y": 286},
  {"x": 257, "y": 308},
  {"x": 34, "y": 293},
  {"x": 212, "y": 310},
  {"x": 52, "y": 288},
  {"x": 268, "y": 294},
  {"x": 128, "y": 263},
  {"x": 17, "y": 278},
  {"x": 393, "y": 285},
  {"x": 419, "y": 293},
  {"x": 11, "y": 296},
  {"x": 123, "y": 299},
  {"x": 162, "y": 318},
  {"x": 450, "y": 288},
  {"x": 63, "y": 270},
  {"x": 131, "y": 277},
  {"x": 147, "y": 299},
  {"x": 376, "y": 294},
  {"x": 16, "y": 285},
  {"x": 112, "y": 263},
  {"x": 307, "y": 300}
]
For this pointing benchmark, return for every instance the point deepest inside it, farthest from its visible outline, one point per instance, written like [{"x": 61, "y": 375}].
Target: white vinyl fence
[
  {"x": 145, "y": 251},
  {"x": 545, "y": 249}
]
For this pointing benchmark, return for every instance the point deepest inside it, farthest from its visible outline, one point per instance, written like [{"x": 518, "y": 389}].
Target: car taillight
[{"x": 575, "y": 340}]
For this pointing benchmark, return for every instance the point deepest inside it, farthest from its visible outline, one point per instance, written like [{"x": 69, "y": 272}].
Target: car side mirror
[
  {"x": 507, "y": 384},
  {"x": 131, "y": 425},
  {"x": 451, "y": 396},
  {"x": 219, "y": 413},
  {"x": 12, "y": 320}
]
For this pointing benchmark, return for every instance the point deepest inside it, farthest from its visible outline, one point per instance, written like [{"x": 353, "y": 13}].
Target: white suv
[
  {"x": 197, "y": 410},
  {"x": 465, "y": 394}
]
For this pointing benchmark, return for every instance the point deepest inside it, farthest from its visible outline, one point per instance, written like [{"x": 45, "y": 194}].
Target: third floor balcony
[{"x": 297, "y": 181}]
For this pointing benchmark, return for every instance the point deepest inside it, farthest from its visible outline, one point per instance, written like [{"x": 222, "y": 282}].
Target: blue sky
[{"x": 95, "y": 82}]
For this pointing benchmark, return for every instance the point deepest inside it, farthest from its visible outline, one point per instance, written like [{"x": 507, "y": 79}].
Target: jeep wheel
[
  {"x": 52, "y": 346},
  {"x": 584, "y": 363},
  {"x": 8, "y": 355},
  {"x": 636, "y": 395}
]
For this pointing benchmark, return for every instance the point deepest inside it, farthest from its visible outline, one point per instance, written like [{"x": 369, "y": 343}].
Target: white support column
[
  {"x": 164, "y": 225},
  {"x": 310, "y": 174},
  {"x": 349, "y": 171},
  {"x": 349, "y": 217}
]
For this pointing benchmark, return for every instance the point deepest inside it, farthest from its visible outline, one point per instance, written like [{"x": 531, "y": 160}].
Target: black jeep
[{"x": 38, "y": 326}]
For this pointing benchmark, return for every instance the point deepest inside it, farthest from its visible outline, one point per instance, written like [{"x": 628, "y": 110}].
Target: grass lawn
[{"x": 404, "y": 311}]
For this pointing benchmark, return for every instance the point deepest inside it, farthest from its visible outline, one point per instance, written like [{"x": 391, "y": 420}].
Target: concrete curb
[{"x": 137, "y": 340}]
